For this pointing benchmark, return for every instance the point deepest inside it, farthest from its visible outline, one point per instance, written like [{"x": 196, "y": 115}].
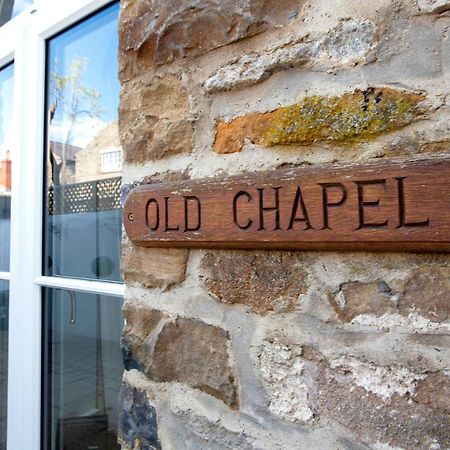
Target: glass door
[
  {"x": 6, "y": 109},
  {"x": 84, "y": 369},
  {"x": 4, "y": 299},
  {"x": 82, "y": 363}
]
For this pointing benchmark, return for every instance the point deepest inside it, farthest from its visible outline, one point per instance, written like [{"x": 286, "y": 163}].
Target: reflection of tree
[{"x": 72, "y": 99}]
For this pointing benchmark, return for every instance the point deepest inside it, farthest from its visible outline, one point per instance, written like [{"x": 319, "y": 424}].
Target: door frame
[{"x": 23, "y": 41}]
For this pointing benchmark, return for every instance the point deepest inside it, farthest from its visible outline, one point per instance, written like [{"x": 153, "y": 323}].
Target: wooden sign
[{"x": 389, "y": 205}]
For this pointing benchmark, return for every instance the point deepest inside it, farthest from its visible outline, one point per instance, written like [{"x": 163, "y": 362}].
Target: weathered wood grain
[{"x": 388, "y": 205}]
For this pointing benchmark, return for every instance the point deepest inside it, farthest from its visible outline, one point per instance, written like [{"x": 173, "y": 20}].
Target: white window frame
[
  {"x": 111, "y": 150},
  {"x": 22, "y": 41}
]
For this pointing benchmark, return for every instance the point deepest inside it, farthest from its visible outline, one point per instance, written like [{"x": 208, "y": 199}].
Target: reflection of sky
[
  {"x": 95, "y": 39},
  {"x": 6, "y": 102},
  {"x": 86, "y": 128},
  {"x": 20, "y": 5}
]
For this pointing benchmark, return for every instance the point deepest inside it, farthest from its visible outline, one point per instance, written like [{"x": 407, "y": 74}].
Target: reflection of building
[
  {"x": 62, "y": 151},
  {"x": 5, "y": 174},
  {"x": 101, "y": 158},
  {"x": 93, "y": 175}
]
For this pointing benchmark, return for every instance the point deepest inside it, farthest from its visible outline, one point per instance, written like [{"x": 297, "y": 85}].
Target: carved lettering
[
  {"x": 331, "y": 207},
  {"x": 326, "y": 204},
  {"x": 298, "y": 201},
  {"x": 155, "y": 226},
  {"x": 362, "y": 203},
  {"x": 263, "y": 209},
  {"x": 196, "y": 200},
  {"x": 402, "y": 209},
  {"x": 235, "y": 213},
  {"x": 167, "y": 227}
]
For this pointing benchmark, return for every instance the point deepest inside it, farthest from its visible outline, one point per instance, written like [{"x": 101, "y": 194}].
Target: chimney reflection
[{"x": 5, "y": 173}]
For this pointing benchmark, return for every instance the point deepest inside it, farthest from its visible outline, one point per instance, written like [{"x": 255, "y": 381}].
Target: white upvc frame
[{"x": 22, "y": 40}]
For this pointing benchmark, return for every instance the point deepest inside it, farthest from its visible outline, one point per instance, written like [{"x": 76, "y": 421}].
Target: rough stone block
[
  {"x": 157, "y": 32},
  {"x": 136, "y": 336},
  {"x": 434, "y": 391},
  {"x": 154, "y": 119},
  {"x": 263, "y": 281},
  {"x": 434, "y": 6},
  {"x": 140, "y": 320},
  {"x": 195, "y": 353},
  {"x": 204, "y": 432},
  {"x": 153, "y": 267},
  {"x": 382, "y": 405},
  {"x": 400, "y": 423},
  {"x": 354, "y": 299},
  {"x": 424, "y": 291},
  {"x": 137, "y": 420},
  {"x": 346, "y": 44},
  {"x": 351, "y": 117}
]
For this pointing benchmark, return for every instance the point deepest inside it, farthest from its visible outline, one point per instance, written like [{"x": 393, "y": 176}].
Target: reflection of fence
[
  {"x": 5, "y": 206},
  {"x": 97, "y": 195}
]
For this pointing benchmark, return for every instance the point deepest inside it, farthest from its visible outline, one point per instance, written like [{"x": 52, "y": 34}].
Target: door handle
[{"x": 73, "y": 307}]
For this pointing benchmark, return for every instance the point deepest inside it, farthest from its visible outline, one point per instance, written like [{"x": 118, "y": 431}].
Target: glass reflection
[
  {"x": 10, "y": 8},
  {"x": 6, "y": 107},
  {"x": 84, "y": 157},
  {"x": 4, "y": 296},
  {"x": 82, "y": 370}
]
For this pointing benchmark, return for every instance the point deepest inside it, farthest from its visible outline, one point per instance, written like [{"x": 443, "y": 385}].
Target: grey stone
[
  {"x": 348, "y": 43},
  {"x": 434, "y": 6},
  {"x": 216, "y": 436},
  {"x": 137, "y": 420}
]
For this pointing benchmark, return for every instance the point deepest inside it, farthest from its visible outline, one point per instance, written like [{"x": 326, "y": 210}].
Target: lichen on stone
[{"x": 351, "y": 117}]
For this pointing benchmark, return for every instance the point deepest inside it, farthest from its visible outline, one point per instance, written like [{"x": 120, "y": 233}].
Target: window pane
[
  {"x": 83, "y": 219},
  {"x": 83, "y": 370},
  {"x": 6, "y": 103},
  {"x": 10, "y": 8},
  {"x": 4, "y": 295}
]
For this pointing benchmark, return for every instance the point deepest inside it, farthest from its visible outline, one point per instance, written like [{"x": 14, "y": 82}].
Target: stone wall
[{"x": 278, "y": 349}]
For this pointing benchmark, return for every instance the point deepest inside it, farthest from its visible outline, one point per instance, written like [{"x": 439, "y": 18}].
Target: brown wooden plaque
[{"x": 389, "y": 205}]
